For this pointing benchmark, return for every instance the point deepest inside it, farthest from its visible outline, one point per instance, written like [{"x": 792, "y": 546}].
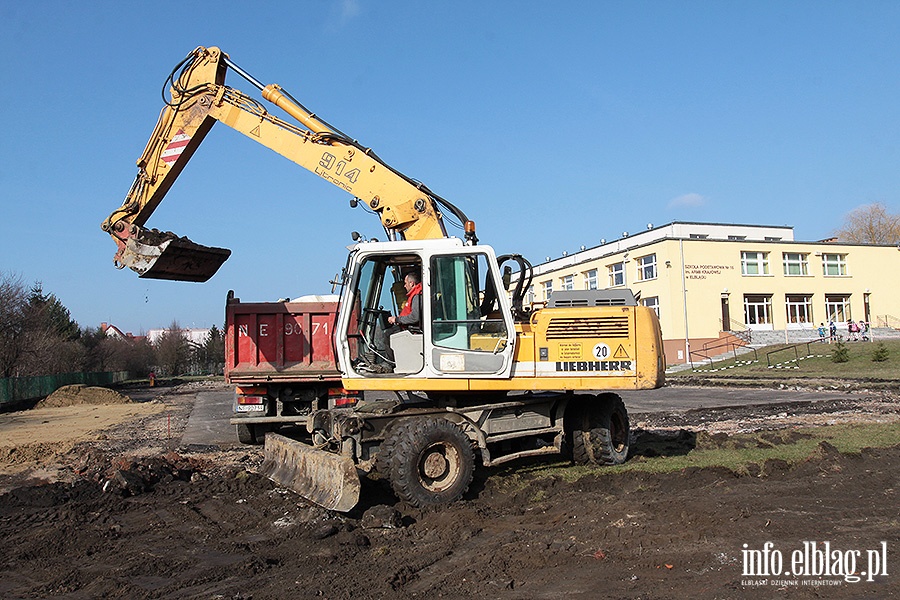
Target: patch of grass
[
  {"x": 539, "y": 496},
  {"x": 818, "y": 364},
  {"x": 741, "y": 453}
]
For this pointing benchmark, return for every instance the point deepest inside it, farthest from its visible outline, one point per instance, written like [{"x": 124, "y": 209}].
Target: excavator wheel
[
  {"x": 598, "y": 430},
  {"x": 429, "y": 461}
]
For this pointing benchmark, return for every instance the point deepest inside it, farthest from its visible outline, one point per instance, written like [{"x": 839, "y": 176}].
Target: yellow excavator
[{"x": 481, "y": 374}]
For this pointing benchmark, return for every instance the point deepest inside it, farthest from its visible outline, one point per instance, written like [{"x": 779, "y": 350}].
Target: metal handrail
[
  {"x": 886, "y": 320},
  {"x": 728, "y": 344},
  {"x": 707, "y": 345},
  {"x": 795, "y": 347},
  {"x": 737, "y": 329}
]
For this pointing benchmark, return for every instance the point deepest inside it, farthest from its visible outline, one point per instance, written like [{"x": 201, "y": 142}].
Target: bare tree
[
  {"x": 172, "y": 351},
  {"x": 39, "y": 337},
  {"x": 50, "y": 337},
  {"x": 870, "y": 224},
  {"x": 135, "y": 356},
  {"x": 13, "y": 307}
]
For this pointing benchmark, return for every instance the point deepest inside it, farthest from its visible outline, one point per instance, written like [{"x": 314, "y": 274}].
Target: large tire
[
  {"x": 599, "y": 430},
  {"x": 252, "y": 434},
  {"x": 429, "y": 461},
  {"x": 246, "y": 433}
]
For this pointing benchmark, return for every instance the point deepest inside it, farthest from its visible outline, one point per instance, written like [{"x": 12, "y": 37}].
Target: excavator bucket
[
  {"x": 154, "y": 254},
  {"x": 327, "y": 479}
]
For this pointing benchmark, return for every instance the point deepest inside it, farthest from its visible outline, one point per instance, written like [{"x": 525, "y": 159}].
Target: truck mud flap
[
  {"x": 158, "y": 255},
  {"x": 327, "y": 479}
]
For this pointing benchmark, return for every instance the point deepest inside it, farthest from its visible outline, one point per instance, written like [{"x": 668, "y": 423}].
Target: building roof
[
  {"x": 680, "y": 230},
  {"x": 674, "y": 230}
]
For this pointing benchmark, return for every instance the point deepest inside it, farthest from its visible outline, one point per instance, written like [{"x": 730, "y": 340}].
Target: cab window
[{"x": 465, "y": 309}]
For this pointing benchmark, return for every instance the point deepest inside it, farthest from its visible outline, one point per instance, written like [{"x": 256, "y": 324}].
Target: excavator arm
[{"x": 199, "y": 98}]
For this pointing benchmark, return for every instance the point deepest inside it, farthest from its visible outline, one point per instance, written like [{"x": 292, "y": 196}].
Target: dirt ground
[{"x": 121, "y": 511}]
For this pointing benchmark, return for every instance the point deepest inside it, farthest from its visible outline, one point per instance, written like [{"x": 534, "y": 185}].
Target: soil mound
[
  {"x": 72, "y": 395},
  {"x": 31, "y": 453}
]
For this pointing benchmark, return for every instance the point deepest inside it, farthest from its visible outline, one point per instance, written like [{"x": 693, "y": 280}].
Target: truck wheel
[
  {"x": 599, "y": 430},
  {"x": 430, "y": 461},
  {"x": 247, "y": 434}
]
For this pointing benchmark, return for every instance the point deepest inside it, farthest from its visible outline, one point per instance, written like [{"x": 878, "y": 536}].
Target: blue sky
[{"x": 552, "y": 125}]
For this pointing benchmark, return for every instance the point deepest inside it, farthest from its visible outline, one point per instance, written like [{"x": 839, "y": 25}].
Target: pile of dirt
[
  {"x": 72, "y": 395},
  {"x": 37, "y": 453}
]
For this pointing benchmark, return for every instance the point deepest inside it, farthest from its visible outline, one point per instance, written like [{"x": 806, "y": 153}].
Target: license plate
[{"x": 250, "y": 408}]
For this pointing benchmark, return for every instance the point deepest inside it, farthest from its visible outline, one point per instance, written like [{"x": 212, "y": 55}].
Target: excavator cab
[{"x": 466, "y": 327}]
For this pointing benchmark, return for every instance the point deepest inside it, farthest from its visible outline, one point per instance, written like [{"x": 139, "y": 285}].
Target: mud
[{"x": 135, "y": 516}]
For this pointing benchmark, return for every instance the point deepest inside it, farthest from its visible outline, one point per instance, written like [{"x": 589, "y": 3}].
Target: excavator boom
[{"x": 198, "y": 99}]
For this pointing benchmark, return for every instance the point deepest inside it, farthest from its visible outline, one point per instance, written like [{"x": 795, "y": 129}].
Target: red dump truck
[{"x": 280, "y": 358}]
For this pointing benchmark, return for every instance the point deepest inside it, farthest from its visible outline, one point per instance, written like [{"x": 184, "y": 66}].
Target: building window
[
  {"x": 616, "y": 274},
  {"x": 772, "y": 238},
  {"x": 799, "y": 309},
  {"x": 590, "y": 280},
  {"x": 754, "y": 263},
  {"x": 568, "y": 282},
  {"x": 834, "y": 264},
  {"x": 548, "y": 289},
  {"x": 529, "y": 295},
  {"x": 757, "y": 310},
  {"x": 795, "y": 263},
  {"x": 737, "y": 238},
  {"x": 837, "y": 307},
  {"x": 652, "y": 302},
  {"x": 646, "y": 267},
  {"x": 699, "y": 236}
]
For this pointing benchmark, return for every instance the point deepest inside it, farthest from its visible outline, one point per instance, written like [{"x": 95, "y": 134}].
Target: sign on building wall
[{"x": 705, "y": 271}]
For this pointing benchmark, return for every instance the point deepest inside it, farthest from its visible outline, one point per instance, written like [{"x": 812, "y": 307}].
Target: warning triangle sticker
[
  {"x": 620, "y": 352},
  {"x": 255, "y": 131}
]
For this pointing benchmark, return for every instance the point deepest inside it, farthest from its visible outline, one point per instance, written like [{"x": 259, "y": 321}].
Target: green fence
[{"x": 21, "y": 389}]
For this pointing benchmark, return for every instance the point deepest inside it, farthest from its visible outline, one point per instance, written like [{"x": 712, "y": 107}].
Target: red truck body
[
  {"x": 280, "y": 356},
  {"x": 280, "y": 340}
]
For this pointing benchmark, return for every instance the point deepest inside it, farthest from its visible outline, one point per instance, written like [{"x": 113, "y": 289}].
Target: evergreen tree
[
  {"x": 840, "y": 354},
  {"x": 47, "y": 313},
  {"x": 214, "y": 349}
]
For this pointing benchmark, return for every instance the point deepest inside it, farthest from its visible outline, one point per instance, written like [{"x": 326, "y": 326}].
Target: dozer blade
[
  {"x": 156, "y": 255},
  {"x": 327, "y": 479}
]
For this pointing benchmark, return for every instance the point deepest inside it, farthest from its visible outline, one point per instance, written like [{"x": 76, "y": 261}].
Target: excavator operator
[{"x": 410, "y": 316}]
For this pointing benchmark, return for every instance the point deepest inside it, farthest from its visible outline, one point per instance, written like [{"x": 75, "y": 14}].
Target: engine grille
[{"x": 591, "y": 327}]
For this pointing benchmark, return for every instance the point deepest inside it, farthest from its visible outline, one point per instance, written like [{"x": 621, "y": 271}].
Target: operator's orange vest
[{"x": 407, "y": 308}]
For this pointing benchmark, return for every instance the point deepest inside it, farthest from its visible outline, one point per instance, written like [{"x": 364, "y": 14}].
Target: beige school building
[{"x": 708, "y": 281}]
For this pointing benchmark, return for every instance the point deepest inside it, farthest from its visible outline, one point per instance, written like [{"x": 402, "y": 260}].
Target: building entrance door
[
  {"x": 726, "y": 314},
  {"x": 867, "y": 314}
]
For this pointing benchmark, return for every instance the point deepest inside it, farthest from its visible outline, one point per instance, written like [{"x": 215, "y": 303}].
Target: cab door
[{"x": 470, "y": 329}]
